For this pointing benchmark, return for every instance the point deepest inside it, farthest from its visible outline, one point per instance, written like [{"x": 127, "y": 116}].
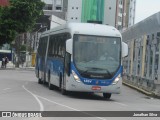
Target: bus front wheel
[
  {"x": 50, "y": 86},
  {"x": 107, "y": 95}
]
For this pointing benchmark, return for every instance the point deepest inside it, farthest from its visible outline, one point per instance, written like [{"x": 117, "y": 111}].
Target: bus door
[
  {"x": 67, "y": 66},
  {"x": 67, "y": 61}
]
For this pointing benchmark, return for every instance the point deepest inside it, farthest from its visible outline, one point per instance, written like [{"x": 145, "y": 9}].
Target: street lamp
[{"x": 36, "y": 39}]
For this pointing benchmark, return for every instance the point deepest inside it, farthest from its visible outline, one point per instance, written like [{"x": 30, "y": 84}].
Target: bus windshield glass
[{"x": 97, "y": 56}]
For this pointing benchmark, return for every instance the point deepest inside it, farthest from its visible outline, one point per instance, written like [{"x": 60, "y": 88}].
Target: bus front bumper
[{"x": 72, "y": 85}]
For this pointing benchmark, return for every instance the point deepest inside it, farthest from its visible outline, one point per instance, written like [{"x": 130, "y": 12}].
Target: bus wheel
[
  {"x": 50, "y": 86},
  {"x": 107, "y": 95},
  {"x": 63, "y": 91},
  {"x": 39, "y": 80}
]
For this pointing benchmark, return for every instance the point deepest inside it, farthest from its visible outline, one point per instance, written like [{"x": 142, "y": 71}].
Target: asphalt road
[{"x": 20, "y": 91}]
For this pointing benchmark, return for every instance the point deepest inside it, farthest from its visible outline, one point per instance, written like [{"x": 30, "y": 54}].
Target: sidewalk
[
  {"x": 151, "y": 94},
  {"x": 11, "y": 66}
]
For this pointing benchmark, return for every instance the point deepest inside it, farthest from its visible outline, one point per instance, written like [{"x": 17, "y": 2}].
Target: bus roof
[
  {"x": 85, "y": 28},
  {"x": 5, "y": 51}
]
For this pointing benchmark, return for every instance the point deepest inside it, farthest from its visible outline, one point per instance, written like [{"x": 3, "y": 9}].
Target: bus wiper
[
  {"x": 110, "y": 74},
  {"x": 94, "y": 68},
  {"x": 88, "y": 68}
]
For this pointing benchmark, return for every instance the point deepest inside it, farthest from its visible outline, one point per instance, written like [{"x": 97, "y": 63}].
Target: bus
[
  {"x": 6, "y": 53},
  {"x": 81, "y": 57}
]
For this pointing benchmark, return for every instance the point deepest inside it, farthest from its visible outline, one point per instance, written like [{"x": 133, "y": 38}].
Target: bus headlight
[
  {"x": 75, "y": 76},
  {"x": 116, "y": 80}
]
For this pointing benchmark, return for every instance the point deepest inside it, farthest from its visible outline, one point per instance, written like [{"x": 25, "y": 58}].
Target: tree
[{"x": 19, "y": 17}]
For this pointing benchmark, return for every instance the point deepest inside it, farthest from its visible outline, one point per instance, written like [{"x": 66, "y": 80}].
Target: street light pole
[{"x": 37, "y": 37}]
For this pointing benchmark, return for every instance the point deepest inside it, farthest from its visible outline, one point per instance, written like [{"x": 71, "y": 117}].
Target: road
[{"x": 20, "y": 91}]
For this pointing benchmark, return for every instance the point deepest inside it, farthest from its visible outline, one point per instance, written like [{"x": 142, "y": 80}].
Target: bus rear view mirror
[
  {"x": 124, "y": 49},
  {"x": 69, "y": 45},
  {"x": 68, "y": 63}
]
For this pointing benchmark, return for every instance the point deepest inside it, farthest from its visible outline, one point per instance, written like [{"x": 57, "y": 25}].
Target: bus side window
[
  {"x": 38, "y": 51},
  {"x": 64, "y": 38},
  {"x": 50, "y": 49},
  {"x": 59, "y": 46},
  {"x": 55, "y": 46}
]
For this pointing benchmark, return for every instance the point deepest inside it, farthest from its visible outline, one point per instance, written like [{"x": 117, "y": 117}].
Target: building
[
  {"x": 117, "y": 13},
  {"x": 120, "y": 13},
  {"x": 74, "y": 10},
  {"x": 110, "y": 12},
  {"x": 54, "y": 13},
  {"x": 129, "y": 13},
  {"x": 4, "y": 2}
]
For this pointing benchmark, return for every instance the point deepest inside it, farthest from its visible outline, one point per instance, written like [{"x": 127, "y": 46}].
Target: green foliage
[
  {"x": 19, "y": 17},
  {"x": 23, "y": 48}
]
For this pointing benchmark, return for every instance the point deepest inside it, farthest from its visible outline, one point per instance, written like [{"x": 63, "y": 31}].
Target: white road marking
[
  {"x": 57, "y": 103},
  {"x": 69, "y": 107},
  {"x": 6, "y": 88},
  {"x": 121, "y": 104},
  {"x": 39, "y": 102}
]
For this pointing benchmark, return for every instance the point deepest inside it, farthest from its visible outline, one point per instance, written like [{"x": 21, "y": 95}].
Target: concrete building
[
  {"x": 54, "y": 9},
  {"x": 130, "y": 6},
  {"x": 110, "y": 12},
  {"x": 117, "y": 13},
  {"x": 120, "y": 13},
  {"x": 4, "y": 2},
  {"x": 74, "y": 10}
]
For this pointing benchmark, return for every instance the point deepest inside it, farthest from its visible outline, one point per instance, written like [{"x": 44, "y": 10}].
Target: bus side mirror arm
[{"x": 124, "y": 49}]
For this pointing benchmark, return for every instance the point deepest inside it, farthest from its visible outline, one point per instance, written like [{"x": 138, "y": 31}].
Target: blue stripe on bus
[
  {"x": 39, "y": 63},
  {"x": 100, "y": 82},
  {"x": 55, "y": 65}
]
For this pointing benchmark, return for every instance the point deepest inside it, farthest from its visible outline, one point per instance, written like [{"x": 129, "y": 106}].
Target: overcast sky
[{"x": 145, "y": 8}]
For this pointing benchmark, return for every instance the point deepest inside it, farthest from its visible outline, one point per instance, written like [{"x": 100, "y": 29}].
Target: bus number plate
[{"x": 96, "y": 88}]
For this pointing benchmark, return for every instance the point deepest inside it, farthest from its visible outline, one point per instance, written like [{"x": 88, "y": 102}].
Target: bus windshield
[{"x": 97, "y": 56}]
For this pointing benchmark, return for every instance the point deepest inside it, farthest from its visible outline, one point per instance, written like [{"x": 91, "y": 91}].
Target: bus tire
[
  {"x": 63, "y": 91},
  {"x": 107, "y": 95},
  {"x": 50, "y": 86},
  {"x": 39, "y": 79}
]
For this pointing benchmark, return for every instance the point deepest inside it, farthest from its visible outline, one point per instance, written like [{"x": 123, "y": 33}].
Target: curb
[
  {"x": 14, "y": 68},
  {"x": 151, "y": 94},
  {"x": 31, "y": 69}
]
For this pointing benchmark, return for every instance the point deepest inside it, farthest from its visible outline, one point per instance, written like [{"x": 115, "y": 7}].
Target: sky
[{"x": 146, "y": 8}]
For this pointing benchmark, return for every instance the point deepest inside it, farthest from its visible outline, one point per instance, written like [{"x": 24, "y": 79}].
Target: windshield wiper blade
[
  {"x": 110, "y": 74},
  {"x": 94, "y": 68},
  {"x": 88, "y": 68}
]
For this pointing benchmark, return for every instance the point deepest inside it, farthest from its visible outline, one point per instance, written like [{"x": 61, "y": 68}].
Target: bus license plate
[{"x": 96, "y": 88}]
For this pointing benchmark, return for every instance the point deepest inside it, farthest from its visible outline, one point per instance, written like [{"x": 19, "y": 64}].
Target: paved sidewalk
[
  {"x": 151, "y": 94},
  {"x": 11, "y": 66}
]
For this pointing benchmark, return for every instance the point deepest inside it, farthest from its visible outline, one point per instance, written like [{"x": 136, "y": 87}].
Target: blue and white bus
[
  {"x": 6, "y": 53},
  {"x": 81, "y": 57}
]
